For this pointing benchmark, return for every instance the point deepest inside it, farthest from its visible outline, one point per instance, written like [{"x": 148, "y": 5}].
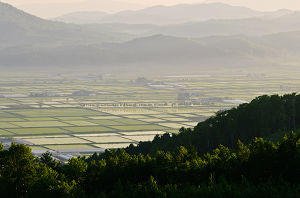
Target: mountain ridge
[
  {"x": 21, "y": 28},
  {"x": 156, "y": 50},
  {"x": 178, "y": 14}
]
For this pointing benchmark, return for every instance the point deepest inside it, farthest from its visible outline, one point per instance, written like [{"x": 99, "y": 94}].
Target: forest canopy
[{"x": 261, "y": 168}]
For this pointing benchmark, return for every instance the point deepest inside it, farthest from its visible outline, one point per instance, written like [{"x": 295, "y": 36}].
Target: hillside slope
[
  {"x": 19, "y": 28},
  {"x": 256, "y": 26},
  {"x": 81, "y": 17},
  {"x": 157, "y": 50},
  {"x": 265, "y": 116}
]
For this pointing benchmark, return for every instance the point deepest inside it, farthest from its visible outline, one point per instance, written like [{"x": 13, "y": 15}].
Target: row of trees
[{"x": 262, "y": 168}]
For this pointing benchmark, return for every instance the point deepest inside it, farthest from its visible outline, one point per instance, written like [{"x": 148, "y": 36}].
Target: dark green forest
[
  {"x": 261, "y": 168},
  {"x": 266, "y": 116},
  {"x": 238, "y": 153}
]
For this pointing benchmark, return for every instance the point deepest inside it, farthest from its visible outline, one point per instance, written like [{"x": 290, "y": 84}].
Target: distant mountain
[
  {"x": 58, "y": 8},
  {"x": 27, "y": 41},
  {"x": 82, "y": 17},
  {"x": 251, "y": 26},
  {"x": 279, "y": 13},
  {"x": 260, "y": 24},
  {"x": 288, "y": 43},
  {"x": 163, "y": 15},
  {"x": 19, "y": 28},
  {"x": 155, "y": 50}
]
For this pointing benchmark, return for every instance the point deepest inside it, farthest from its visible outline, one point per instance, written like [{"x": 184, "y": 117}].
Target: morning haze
[
  {"x": 162, "y": 98},
  {"x": 50, "y": 9}
]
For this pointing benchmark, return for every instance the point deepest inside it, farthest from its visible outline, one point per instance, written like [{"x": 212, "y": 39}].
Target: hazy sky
[{"x": 52, "y": 8}]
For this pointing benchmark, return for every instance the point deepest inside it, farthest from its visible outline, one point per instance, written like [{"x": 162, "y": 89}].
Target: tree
[
  {"x": 76, "y": 169},
  {"x": 19, "y": 170},
  {"x": 48, "y": 160}
]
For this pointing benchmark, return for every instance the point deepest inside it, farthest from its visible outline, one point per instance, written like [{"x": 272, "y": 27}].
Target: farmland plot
[{"x": 57, "y": 114}]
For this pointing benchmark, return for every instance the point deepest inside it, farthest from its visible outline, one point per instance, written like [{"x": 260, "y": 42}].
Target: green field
[
  {"x": 4, "y": 133},
  {"x": 108, "y": 139},
  {"x": 107, "y": 122},
  {"x": 54, "y": 112},
  {"x": 87, "y": 129},
  {"x": 47, "y": 141},
  {"x": 139, "y": 127},
  {"x": 70, "y": 146},
  {"x": 41, "y": 124},
  {"x": 80, "y": 123},
  {"x": 33, "y": 131}
]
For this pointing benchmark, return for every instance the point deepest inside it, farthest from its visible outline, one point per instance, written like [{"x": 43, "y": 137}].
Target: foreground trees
[{"x": 262, "y": 168}]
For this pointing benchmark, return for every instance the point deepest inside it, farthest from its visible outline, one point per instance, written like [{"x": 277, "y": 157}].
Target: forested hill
[
  {"x": 260, "y": 169},
  {"x": 265, "y": 116}
]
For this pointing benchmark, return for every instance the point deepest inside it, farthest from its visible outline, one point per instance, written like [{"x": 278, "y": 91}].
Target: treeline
[
  {"x": 261, "y": 169},
  {"x": 265, "y": 116}
]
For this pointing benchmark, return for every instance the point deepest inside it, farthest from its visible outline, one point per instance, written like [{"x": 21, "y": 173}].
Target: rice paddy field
[{"x": 61, "y": 112}]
